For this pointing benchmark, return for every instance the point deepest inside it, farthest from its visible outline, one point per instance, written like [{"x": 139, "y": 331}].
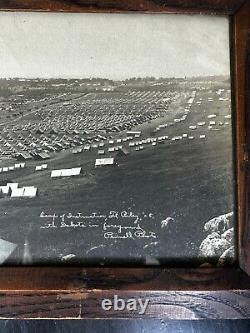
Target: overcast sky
[{"x": 115, "y": 46}]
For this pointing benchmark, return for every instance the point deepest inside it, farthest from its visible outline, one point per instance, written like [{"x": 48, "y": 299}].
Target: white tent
[
  {"x": 135, "y": 133},
  {"x": 6, "y": 248},
  {"x": 75, "y": 171},
  {"x": 12, "y": 186},
  {"x": 24, "y": 192},
  {"x": 5, "y": 189},
  {"x": 104, "y": 161},
  {"x": 56, "y": 173},
  {"x": 66, "y": 172},
  {"x": 17, "y": 193},
  {"x": 30, "y": 191},
  {"x": 41, "y": 167}
]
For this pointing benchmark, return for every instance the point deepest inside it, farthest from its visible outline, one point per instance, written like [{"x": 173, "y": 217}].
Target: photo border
[{"x": 173, "y": 293}]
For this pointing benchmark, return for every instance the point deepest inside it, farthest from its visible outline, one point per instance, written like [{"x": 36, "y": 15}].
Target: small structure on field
[
  {"x": 104, "y": 161},
  {"x": 12, "y": 190},
  {"x": 24, "y": 156},
  {"x": 66, "y": 172},
  {"x": 122, "y": 152},
  {"x": 41, "y": 167},
  {"x": 24, "y": 192},
  {"x": 7, "y": 189}
]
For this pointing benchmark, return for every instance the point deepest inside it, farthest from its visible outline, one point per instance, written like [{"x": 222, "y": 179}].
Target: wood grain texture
[
  {"x": 77, "y": 292},
  {"x": 182, "y": 305},
  {"x": 193, "y": 6},
  {"x": 151, "y": 279},
  {"x": 241, "y": 47},
  {"x": 124, "y": 326},
  {"x": 246, "y": 237}
]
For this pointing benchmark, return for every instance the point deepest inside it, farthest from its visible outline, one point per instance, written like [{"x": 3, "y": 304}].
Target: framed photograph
[{"x": 123, "y": 157}]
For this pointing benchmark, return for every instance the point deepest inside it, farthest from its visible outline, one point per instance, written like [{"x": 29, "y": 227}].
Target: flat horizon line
[{"x": 109, "y": 79}]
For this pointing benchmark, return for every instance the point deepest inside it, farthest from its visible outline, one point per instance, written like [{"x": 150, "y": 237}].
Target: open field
[{"x": 151, "y": 205}]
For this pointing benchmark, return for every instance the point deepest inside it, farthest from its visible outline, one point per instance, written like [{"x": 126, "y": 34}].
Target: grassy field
[{"x": 190, "y": 181}]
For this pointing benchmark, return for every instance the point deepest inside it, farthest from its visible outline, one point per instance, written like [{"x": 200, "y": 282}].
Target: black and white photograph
[{"x": 116, "y": 139}]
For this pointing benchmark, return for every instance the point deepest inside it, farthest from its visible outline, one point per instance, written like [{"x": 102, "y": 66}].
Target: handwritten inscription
[{"x": 114, "y": 225}]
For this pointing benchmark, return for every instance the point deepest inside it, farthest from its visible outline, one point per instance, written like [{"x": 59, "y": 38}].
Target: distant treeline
[{"x": 17, "y": 85}]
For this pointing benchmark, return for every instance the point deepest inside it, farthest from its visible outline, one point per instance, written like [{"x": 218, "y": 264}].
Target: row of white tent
[
  {"x": 12, "y": 190},
  {"x": 77, "y": 171},
  {"x": 21, "y": 166},
  {"x": 88, "y": 147},
  {"x": 12, "y": 167}
]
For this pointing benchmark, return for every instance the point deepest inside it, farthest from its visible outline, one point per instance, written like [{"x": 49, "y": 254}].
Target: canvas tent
[
  {"x": 137, "y": 133},
  {"x": 5, "y": 190},
  {"x": 104, "y": 161},
  {"x": 17, "y": 165},
  {"x": 122, "y": 152},
  {"x": 30, "y": 191},
  {"x": 24, "y": 156},
  {"x": 42, "y": 156},
  {"x": 17, "y": 193},
  {"x": 24, "y": 192},
  {"x": 66, "y": 172},
  {"x": 6, "y": 248},
  {"x": 41, "y": 167},
  {"x": 12, "y": 186}
]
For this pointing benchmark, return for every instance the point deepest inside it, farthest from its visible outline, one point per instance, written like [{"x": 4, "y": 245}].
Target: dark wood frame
[{"x": 184, "y": 293}]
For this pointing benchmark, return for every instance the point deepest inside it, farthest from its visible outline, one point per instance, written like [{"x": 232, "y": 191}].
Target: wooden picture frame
[{"x": 173, "y": 293}]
